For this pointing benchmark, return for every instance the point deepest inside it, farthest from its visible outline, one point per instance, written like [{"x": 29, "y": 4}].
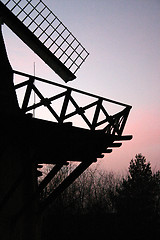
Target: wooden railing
[{"x": 111, "y": 124}]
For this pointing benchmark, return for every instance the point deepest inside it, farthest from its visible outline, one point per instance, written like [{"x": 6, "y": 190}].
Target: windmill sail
[{"x": 45, "y": 34}]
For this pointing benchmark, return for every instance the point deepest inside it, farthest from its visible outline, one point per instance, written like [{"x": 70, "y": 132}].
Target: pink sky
[
  {"x": 145, "y": 128},
  {"x": 123, "y": 38}
]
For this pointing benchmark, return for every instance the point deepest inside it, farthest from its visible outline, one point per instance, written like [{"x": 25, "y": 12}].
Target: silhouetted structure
[{"x": 27, "y": 142}]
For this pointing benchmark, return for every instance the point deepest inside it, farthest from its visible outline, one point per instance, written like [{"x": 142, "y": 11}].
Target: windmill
[{"x": 28, "y": 142}]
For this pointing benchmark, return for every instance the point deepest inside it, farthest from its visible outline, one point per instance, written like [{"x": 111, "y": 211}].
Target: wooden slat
[
  {"x": 115, "y": 145},
  {"x": 108, "y": 151},
  {"x": 123, "y": 138}
]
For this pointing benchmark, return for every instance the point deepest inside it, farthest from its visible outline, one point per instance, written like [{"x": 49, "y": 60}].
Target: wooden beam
[{"x": 66, "y": 183}]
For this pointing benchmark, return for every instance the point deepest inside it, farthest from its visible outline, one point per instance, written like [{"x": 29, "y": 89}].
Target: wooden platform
[{"x": 54, "y": 143}]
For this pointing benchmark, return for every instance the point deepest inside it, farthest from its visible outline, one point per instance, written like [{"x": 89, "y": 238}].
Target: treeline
[{"x": 101, "y": 202}]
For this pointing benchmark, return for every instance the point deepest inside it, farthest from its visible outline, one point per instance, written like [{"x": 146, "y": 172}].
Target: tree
[
  {"x": 91, "y": 193},
  {"x": 137, "y": 194}
]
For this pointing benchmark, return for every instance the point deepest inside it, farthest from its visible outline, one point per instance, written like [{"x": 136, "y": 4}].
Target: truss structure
[{"x": 111, "y": 124}]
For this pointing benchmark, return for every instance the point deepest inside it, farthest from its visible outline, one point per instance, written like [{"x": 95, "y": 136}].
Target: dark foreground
[{"x": 109, "y": 227}]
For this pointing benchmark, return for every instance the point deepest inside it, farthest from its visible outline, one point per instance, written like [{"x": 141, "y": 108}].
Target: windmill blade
[{"x": 37, "y": 26}]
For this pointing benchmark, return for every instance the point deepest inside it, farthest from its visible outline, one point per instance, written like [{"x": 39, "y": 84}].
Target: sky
[{"x": 123, "y": 39}]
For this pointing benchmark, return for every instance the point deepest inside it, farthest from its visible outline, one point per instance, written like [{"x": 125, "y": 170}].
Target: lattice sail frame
[
  {"x": 111, "y": 124},
  {"x": 51, "y": 32}
]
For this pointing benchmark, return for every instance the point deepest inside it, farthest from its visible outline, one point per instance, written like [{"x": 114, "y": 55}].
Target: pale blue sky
[{"x": 123, "y": 39}]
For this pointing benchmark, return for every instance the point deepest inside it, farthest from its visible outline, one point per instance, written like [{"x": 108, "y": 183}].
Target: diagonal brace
[{"x": 66, "y": 183}]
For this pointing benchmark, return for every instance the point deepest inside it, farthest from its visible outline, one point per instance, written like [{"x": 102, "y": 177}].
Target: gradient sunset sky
[{"x": 123, "y": 39}]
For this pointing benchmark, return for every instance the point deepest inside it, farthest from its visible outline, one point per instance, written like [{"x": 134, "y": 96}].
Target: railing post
[
  {"x": 125, "y": 116},
  {"x": 27, "y": 94},
  {"x": 65, "y": 105},
  {"x": 96, "y": 114}
]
